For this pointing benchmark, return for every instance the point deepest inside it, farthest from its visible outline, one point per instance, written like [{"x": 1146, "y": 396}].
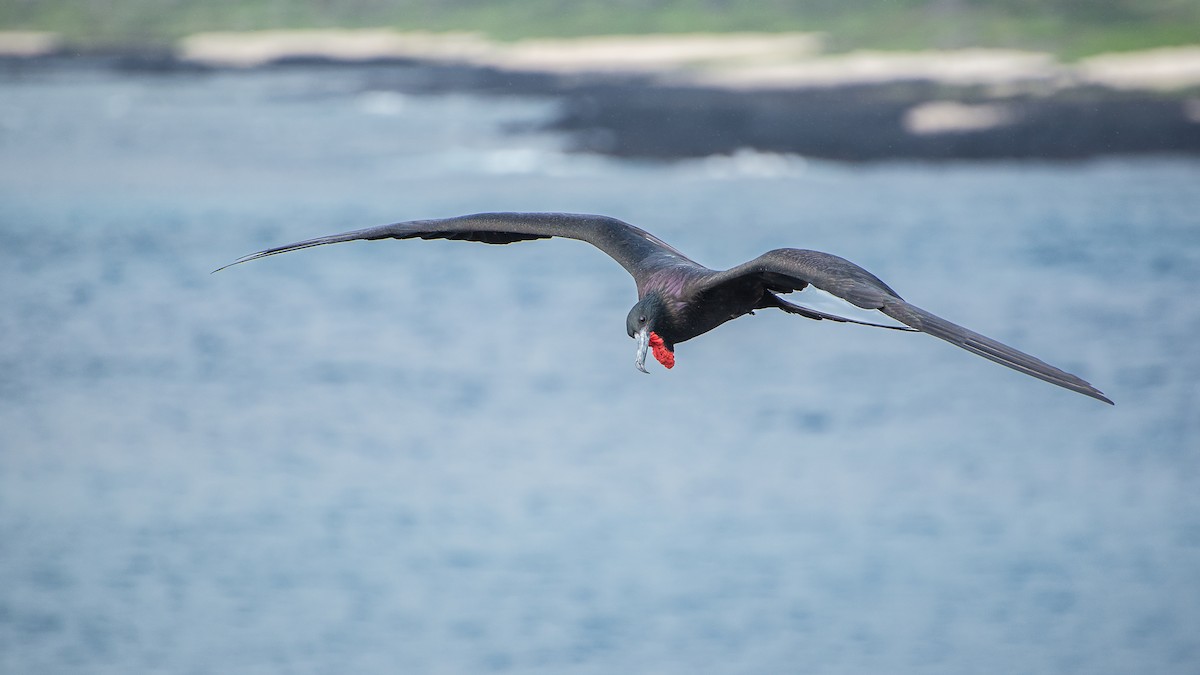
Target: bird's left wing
[
  {"x": 790, "y": 269},
  {"x": 628, "y": 245}
]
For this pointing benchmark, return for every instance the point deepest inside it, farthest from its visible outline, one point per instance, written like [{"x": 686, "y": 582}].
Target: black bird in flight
[{"x": 679, "y": 298}]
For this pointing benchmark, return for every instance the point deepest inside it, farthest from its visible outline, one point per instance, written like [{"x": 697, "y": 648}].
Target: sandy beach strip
[
  {"x": 28, "y": 44},
  {"x": 733, "y": 60},
  {"x": 736, "y": 60}
]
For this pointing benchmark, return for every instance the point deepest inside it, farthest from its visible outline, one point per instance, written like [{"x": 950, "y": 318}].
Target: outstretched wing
[
  {"x": 632, "y": 247},
  {"x": 789, "y": 269}
]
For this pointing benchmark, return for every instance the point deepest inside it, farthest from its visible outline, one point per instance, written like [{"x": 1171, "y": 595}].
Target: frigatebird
[{"x": 679, "y": 299}]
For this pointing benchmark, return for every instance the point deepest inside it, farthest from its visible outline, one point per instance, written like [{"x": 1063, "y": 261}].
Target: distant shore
[{"x": 668, "y": 96}]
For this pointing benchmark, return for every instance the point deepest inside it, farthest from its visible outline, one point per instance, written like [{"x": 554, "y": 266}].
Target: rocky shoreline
[
  {"x": 893, "y": 121},
  {"x": 667, "y": 97}
]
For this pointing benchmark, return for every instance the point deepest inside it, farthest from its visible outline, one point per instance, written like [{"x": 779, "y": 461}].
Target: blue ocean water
[{"x": 437, "y": 457}]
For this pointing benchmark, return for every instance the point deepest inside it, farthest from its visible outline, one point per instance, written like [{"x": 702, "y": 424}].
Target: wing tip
[
  {"x": 990, "y": 349},
  {"x": 245, "y": 258}
]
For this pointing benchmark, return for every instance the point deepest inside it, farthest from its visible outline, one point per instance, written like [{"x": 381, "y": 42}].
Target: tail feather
[{"x": 771, "y": 300}]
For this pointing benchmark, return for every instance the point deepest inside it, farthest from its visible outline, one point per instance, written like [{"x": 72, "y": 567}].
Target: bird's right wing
[
  {"x": 628, "y": 245},
  {"x": 789, "y": 269}
]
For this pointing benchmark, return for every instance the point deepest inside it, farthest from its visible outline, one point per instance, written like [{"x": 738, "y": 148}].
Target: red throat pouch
[{"x": 665, "y": 356}]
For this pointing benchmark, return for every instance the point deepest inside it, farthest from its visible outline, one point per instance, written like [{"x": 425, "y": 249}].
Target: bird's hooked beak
[{"x": 643, "y": 347}]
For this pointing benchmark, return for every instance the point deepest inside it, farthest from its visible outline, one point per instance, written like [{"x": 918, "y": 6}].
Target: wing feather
[
  {"x": 630, "y": 246},
  {"x": 846, "y": 280}
]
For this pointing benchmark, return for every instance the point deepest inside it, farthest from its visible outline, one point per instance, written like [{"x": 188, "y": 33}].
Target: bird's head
[{"x": 645, "y": 323}]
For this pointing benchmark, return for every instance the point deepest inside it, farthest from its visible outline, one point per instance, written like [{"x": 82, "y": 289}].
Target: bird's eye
[{"x": 642, "y": 319}]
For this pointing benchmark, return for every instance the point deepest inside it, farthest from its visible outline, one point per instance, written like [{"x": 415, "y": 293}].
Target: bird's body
[{"x": 679, "y": 299}]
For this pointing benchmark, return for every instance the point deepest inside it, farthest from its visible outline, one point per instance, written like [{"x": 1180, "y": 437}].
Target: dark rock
[{"x": 868, "y": 122}]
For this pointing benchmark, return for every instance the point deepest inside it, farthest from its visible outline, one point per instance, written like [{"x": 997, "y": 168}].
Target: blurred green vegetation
[{"x": 1071, "y": 28}]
